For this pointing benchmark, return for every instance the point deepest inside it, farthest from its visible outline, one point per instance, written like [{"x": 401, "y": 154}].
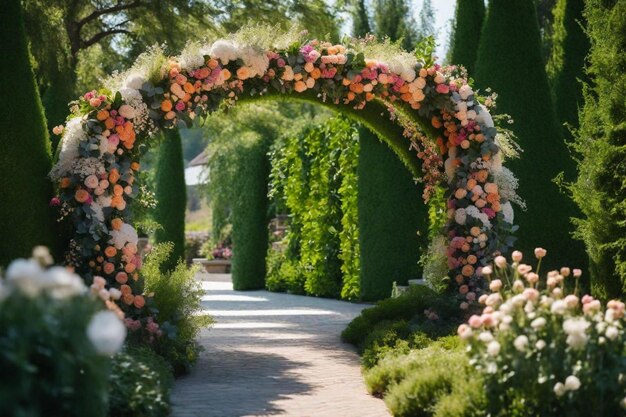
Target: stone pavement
[{"x": 272, "y": 354}]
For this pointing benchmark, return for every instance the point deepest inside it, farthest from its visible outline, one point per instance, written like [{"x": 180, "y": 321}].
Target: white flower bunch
[
  {"x": 536, "y": 335},
  {"x": 28, "y": 277},
  {"x": 73, "y": 134}
]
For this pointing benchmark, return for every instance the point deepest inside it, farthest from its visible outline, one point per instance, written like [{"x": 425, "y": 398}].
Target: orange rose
[
  {"x": 121, "y": 277},
  {"x": 65, "y": 182},
  {"x": 125, "y": 289},
  {"x": 128, "y": 299},
  {"x": 472, "y": 259},
  {"x": 102, "y": 115},
  {"x": 81, "y": 195},
  {"x": 300, "y": 86},
  {"x": 475, "y": 231},
  {"x": 118, "y": 190},
  {"x": 110, "y": 251},
  {"x": 139, "y": 301},
  {"x": 109, "y": 268},
  {"x": 166, "y": 105},
  {"x": 135, "y": 166},
  {"x": 436, "y": 122},
  {"x": 189, "y": 88},
  {"x": 130, "y": 268},
  {"x": 467, "y": 270},
  {"x": 114, "y": 176},
  {"x": 116, "y": 223}
]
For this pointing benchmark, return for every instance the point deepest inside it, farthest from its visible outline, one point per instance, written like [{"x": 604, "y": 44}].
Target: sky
[{"x": 444, "y": 11}]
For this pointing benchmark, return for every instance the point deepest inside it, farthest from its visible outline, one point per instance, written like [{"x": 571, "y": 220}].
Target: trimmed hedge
[
  {"x": 26, "y": 220},
  {"x": 468, "y": 23},
  {"x": 601, "y": 190},
  {"x": 510, "y": 62},
  {"x": 566, "y": 67},
  {"x": 250, "y": 214},
  {"x": 171, "y": 195},
  {"x": 391, "y": 212}
]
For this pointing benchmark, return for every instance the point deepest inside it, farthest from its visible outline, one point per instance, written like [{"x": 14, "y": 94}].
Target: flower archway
[{"x": 428, "y": 114}]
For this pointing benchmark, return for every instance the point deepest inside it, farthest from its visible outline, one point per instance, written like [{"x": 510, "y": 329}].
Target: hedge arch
[{"x": 427, "y": 114}]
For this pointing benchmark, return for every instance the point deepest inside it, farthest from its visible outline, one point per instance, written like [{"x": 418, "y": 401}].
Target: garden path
[{"x": 273, "y": 354}]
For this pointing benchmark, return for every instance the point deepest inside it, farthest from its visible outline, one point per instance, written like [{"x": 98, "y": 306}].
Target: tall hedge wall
[
  {"x": 510, "y": 61},
  {"x": 390, "y": 214},
  {"x": 26, "y": 220},
  {"x": 601, "y": 189},
  {"x": 171, "y": 195}
]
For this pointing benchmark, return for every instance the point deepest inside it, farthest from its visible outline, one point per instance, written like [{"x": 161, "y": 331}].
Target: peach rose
[
  {"x": 118, "y": 190},
  {"x": 110, "y": 251},
  {"x": 243, "y": 73},
  {"x": 125, "y": 289},
  {"x": 300, "y": 86},
  {"x": 109, "y": 268},
  {"x": 81, "y": 195},
  {"x": 114, "y": 176},
  {"x": 121, "y": 277},
  {"x": 139, "y": 301},
  {"x": 128, "y": 299},
  {"x": 130, "y": 268},
  {"x": 116, "y": 223},
  {"x": 65, "y": 182},
  {"x": 467, "y": 270}
]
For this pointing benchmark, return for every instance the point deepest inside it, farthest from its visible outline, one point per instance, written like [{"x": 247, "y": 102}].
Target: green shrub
[
  {"x": 510, "y": 61},
  {"x": 600, "y": 189},
  {"x": 177, "y": 299},
  {"x": 171, "y": 194},
  {"x": 385, "y": 337},
  {"x": 405, "y": 307},
  {"x": 391, "y": 212},
  {"x": 274, "y": 281},
  {"x": 26, "y": 220},
  {"x": 194, "y": 244},
  {"x": 140, "y": 383}
]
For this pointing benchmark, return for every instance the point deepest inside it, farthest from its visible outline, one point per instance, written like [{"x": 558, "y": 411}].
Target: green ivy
[{"x": 313, "y": 178}]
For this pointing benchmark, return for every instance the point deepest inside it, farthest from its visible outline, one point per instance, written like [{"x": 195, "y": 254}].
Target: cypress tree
[
  {"x": 171, "y": 195},
  {"x": 601, "y": 140},
  {"x": 360, "y": 21},
  {"x": 469, "y": 18},
  {"x": 389, "y": 219},
  {"x": 566, "y": 67},
  {"x": 26, "y": 220},
  {"x": 250, "y": 214},
  {"x": 510, "y": 61}
]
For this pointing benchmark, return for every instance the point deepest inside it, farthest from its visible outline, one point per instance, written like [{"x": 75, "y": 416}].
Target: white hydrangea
[
  {"x": 460, "y": 216},
  {"x": 507, "y": 212},
  {"x": 521, "y": 343},
  {"x": 474, "y": 212},
  {"x": 106, "y": 332},
  {"x": 255, "y": 59},
  {"x": 126, "y": 234},
  {"x": 72, "y": 136},
  {"x": 191, "y": 58},
  {"x": 97, "y": 208},
  {"x": 134, "y": 81},
  {"x": 484, "y": 117},
  {"x": 224, "y": 50}
]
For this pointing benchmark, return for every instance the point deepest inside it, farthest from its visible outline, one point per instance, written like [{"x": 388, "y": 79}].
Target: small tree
[
  {"x": 601, "y": 140},
  {"x": 171, "y": 195},
  {"x": 25, "y": 218}
]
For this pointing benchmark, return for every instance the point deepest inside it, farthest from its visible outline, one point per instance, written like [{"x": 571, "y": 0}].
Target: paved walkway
[{"x": 274, "y": 354}]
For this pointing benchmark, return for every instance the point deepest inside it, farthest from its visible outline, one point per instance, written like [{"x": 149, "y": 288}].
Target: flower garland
[{"x": 103, "y": 139}]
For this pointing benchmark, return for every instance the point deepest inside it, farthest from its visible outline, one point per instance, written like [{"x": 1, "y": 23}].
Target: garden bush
[
  {"x": 55, "y": 342},
  {"x": 405, "y": 307},
  {"x": 140, "y": 383},
  {"x": 542, "y": 349},
  {"x": 177, "y": 300}
]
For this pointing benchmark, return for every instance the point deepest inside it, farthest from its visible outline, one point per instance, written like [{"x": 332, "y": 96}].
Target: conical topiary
[
  {"x": 509, "y": 60},
  {"x": 468, "y": 24},
  {"x": 26, "y": 220}
]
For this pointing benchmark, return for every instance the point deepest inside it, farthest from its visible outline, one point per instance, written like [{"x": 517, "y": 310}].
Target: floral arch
[{"x": 429, "y": 115}]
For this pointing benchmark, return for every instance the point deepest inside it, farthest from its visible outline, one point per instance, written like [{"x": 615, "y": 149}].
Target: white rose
[
  {"x": 520, "y": 343},
  {"x": 493, "y": 348},
  {"x": 538, "y": 323},
  {"x": 26, "y": 276},
  {"x": 540, "y": 344},
  {"x": 465, "y": 91},
  {"x": 572, "y": 383},
  {"x": 106, "y": 332},
  {"x": 134, "y": 81},
  {"x": 612, "y": 332},
  {"x": 61, "y": 283},
  {"x": 127, "y": 111},
  {"x": 559, "y": 389}
]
